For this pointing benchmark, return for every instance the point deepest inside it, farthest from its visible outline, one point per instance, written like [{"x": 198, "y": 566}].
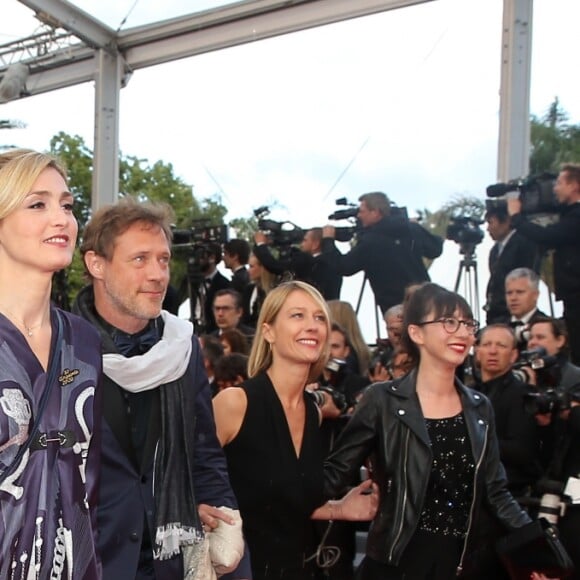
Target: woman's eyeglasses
[{"x": 452, "y": 325}]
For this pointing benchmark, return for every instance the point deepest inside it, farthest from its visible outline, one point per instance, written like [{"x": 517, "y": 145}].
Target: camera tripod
[
  {"x": 376, "y": 306},
  {"x": 468, "y": 269}
]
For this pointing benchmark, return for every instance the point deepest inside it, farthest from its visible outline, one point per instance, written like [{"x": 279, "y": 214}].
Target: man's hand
[
  {"x": 514, "y": 206},
  {"x": 379, "y": 374},
  {"x": 328, "y": 232},
  {"x": 260, "y": 238},
  {"x": 209, "y": 516}
]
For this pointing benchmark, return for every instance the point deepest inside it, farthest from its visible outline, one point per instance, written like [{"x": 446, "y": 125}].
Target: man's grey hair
[
  {"x": 532, "y": 277},
  {"x": 395, "y": 311}
]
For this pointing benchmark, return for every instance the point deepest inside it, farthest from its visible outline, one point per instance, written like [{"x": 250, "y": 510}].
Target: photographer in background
[
  {"x": 511, "y": 250},
  {"x": 516, "y": 430},
  {"x": 550, "y": 334},
  {"x": 385, "y": 251},
  {"x": 564, "y": 238},
  {"x": 557, "y": 411},
  {"x": 307, "y": 264},
  {"x": 517, "y": 435}
]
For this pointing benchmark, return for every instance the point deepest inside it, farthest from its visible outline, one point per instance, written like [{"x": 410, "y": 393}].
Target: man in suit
[
  {"x": 564, "y": 239},
  {"x": 154, "y": 387},
  {"x": 521, "y": 293},
  {"x": 228, "y": 312},
  {"x": 510, "y": 251},
  {"x": 213, "y": 281},
  {"x": 236, "y": 255}
]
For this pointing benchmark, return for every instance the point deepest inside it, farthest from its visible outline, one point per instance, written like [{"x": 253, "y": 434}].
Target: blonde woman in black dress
[{"x": 270, "y": 430}]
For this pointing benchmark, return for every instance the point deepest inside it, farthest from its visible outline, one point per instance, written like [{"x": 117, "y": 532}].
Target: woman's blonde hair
[
  {"x": 19, "y": 169},
  {"x": 267, "y": 279},
  {"x": 343, "y": 313},
  {"x": 261, "y": 353}
]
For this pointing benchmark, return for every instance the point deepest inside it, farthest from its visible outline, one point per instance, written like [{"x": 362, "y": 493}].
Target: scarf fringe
[{"x": 172, "y": 537}]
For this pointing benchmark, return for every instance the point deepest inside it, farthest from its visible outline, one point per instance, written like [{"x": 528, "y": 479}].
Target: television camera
[
  {"x": 346, "y": 233},
  {"x": 536, "y": 192},
  {"x": 465, "y": 231},
  {"x": 197, "y": 244},
  {"x": 199, "y": 234},
  {"x": 282, "y": 234}
]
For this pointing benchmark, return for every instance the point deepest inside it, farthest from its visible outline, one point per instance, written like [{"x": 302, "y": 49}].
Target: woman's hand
[
  {"x": 210, "y": 516},
  {"x": 379, "y": 374},
  {"x": 540, "y": 576},
  {"x": 360, "y": 504}
]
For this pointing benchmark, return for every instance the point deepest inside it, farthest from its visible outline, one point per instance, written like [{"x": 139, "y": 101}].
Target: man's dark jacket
[
  {"x": 517, "y": 432},
  {"x": 389, "y": 426},
  {"x": 522, "y": 333},
  {"x": 386, "y": 252},
  {"x": 316, "y": 270},
  {"x": 218, "y": 282},
  {"x": 564, "y": 237},
  {"x": 126, "y": 503},
  {"x": 240, "y": 279},
  {"x": 518, "y": 252}
]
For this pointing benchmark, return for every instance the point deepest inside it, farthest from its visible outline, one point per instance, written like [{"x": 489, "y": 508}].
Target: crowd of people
[{"x": 131, "y": 439}]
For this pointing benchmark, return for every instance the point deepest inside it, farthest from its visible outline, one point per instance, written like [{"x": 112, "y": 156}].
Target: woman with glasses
[{"x": 433, "y": 447}]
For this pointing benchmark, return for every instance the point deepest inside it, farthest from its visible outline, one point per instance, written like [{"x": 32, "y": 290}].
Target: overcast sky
[{"x": 409, "y": 98}]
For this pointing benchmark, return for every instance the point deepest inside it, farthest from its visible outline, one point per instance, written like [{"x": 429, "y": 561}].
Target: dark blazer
[
  {"x": 126, "y": 503},
  {"x": 517, "y": 253},
  {"x": 387, "y": 254},
  {"x": 389, "y": 426},
  {"x": 517, "y": 432},
  {"x": 319, "y": 271},
  {"x": 522, "y": 332},
  {"x": 218, "y": 282},
  {"x": 564, "y": 237},
  {"x": 240, "y": 279},
  {"x": 252, "y": 311}
]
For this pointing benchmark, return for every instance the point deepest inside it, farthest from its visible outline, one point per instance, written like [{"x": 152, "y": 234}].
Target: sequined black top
[{"x": 450, "y": 489}]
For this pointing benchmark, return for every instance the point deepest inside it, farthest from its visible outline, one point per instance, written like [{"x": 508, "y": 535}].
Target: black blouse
[{"x": 450, "y": 489}]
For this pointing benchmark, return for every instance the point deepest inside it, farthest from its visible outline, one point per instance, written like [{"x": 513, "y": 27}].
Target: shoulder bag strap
[{"x": 53, "y": 366}]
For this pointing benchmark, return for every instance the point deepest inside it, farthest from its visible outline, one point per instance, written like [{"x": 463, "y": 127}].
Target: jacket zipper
[
  {"x": 399, "y": 532},
  {"x": 470, "y": 521}
]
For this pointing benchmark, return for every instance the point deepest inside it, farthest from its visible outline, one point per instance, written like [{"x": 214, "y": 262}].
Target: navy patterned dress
[{"x": 47, "y": 503}]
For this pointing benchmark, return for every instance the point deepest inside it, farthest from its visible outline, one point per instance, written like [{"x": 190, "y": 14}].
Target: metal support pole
[{"x": 106, "y": 149}]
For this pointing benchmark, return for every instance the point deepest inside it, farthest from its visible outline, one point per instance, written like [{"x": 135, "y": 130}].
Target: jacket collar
[{"x": 408, "y": 408}]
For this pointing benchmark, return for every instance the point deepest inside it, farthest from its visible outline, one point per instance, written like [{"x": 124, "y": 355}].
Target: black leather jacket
[{"x": 389, "y": 426}]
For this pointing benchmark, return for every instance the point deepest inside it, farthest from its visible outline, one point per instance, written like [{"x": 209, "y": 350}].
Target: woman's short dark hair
[{"x": 430, "y": 299}]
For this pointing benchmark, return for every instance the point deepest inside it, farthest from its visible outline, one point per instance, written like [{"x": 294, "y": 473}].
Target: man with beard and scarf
[{"x": 163, "y": 473}]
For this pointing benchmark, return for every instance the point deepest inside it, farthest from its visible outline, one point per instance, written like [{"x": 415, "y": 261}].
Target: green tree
[
  {"x": 244, "y": 228},
  {"x": 553, "y": 140},
  {"x": 156, "y": 182},
  {"x": 460, "y": 205}
]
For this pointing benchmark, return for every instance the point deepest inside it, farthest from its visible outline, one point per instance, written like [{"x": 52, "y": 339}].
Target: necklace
[{"x": 27, "y": 328}]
